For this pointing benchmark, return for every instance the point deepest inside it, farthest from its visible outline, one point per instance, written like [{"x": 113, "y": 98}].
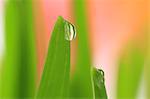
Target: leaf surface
[
  {"x": 81, "y": 84},
  {"x": 99, "y": 84},
  {"x": 130, "y": 71},
  {"x": 19, "y": 70},
  {"x": 55, "y": 77}
]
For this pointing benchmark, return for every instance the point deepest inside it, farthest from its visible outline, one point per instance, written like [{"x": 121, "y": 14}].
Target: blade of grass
[
  {"x": 147, "y": 64},
  {"x": 55, "y": 78},
  {"x": 41, "y": 35},
  {"x": 81, "y": 85},
  {"x": 130, "y": 70},
  {"x": 99, "y": 86},
  {"x": 147, "y": 78},
  {"x": 1, "y": 62},
  {"x": 18, "y": 78}
]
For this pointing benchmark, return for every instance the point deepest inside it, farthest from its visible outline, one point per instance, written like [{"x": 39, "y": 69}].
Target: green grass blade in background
[
  {"x": 147, "y": 73},
  {"x": 55, "y": 79},
  {"x": 147, "y": 78},
  {"x": 1, "y": 62},
  {"x": 147, "y": 64},
  {"x": 18, "y": 78},
  {"x": 130, "y": 70},
  {"x": 99, "y": 84},
  {"x": 81, "y": 85}
]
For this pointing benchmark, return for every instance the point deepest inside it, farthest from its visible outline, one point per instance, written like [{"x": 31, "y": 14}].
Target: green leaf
[
  {"x": 18, "y": 77},
  {"x": 147, "y": 60},
  {"x": 99, "y": 86},
  {"x": 55, "y": 78},
  {"x": 1, "y": 62},
  {"x": 130, "y": 70},
  {"x": 81, "y": 84}
]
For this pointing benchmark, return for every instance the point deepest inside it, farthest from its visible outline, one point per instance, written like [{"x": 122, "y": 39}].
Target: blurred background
[{"x": 118, "y": 38}]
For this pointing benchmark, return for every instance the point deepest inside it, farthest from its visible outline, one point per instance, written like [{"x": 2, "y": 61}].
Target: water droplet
[
  {"x": 70, "y": 32},
  {"x": 101, "y": 71},
  {"x": 101, "y": 75}
]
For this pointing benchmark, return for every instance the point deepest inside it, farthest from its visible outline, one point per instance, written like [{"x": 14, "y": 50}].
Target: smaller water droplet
[
  {"x": 70, "y": 32},
  {"x": 101, "y": 78},
  {"x": 101, "y": 71}
]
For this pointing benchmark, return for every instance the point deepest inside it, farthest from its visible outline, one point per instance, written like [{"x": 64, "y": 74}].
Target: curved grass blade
[
  {"x": 18, "y": 78},
  {"x": 99, "y": 86},
  {"x": 147, "y": 60},
  {"x": 55, "y": 78},
  {"x": 130, "y": 70},
  {"x": 81, "y": 85}
]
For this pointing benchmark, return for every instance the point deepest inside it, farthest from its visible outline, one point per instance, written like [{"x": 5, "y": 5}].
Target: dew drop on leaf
[{"x": 70, "y": 32}]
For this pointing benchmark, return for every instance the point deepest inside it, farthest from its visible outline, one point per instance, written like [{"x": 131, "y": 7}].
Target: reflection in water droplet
[{"x": 70, "y": 32}]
